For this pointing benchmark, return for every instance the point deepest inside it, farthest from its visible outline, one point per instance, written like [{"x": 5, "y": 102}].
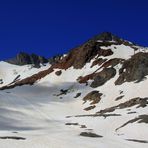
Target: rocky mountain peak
[
  {"x": 79, "y": 56},
  {"x": 23, "y": 58},
  {"x": 106, "y": 36}
]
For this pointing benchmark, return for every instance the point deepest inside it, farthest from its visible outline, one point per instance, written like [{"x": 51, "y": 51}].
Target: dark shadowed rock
[
  {"x": 137, "y": 140},
  {"x": 89, "y": 134},
  {"x": 58, "y": 73},
  {"x": 103, "y": 76},
  {"x": 77, "y": 95},
  {"x": 119, "y": 98},
  {"x": 134, "y": 69},
  {"x": 13, "y": 138},
  {"x": 24, "y": 59},
  {"x": 90, "y": 107},
  {"x": 71, "y": 123}
]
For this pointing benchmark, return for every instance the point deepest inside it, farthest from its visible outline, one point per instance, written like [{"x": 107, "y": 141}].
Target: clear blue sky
[{"x": 49, "y": 27}]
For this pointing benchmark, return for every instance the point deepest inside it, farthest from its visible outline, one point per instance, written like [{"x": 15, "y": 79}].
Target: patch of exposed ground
[
  {"x": 98, "y": 115},
  {"x": 89, "y": 134},
  {"x": 77, "y": 95},
  {"x": 90, "y": 107},
  {"x": 13, "y": 138},
  {"x": 136, "y": 140},
  {"x": 119, "y": 98},
  {"x": 76, "y": 124}
]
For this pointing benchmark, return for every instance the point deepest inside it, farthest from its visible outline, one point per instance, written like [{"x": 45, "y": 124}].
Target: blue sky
[{"x": 50, "y": 27}]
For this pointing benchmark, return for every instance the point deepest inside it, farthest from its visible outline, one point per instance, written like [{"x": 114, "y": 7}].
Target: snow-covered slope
[
  {"x": 100, "y": 102},
  {"x": 10, "y": 73}
]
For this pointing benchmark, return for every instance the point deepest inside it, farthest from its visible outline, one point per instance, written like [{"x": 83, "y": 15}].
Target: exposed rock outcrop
[
  {"x": 134, "y": 69},
  {"x": 94, "y": 97},
  {"x": 81, "y": 55},
  {"x": 99, "y": 78},
  {"x": 24, "y": 59},
  {"x": 102, "y": 77}
]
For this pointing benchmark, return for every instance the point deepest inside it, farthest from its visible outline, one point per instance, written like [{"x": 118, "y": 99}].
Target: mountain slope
[{"x": 94, "y": 96}]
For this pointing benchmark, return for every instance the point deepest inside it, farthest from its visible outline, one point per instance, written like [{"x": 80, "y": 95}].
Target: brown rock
[{"x": 94, "y": 97}]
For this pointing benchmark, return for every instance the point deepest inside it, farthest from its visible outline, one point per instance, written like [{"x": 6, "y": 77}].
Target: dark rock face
[
  {"x": 107, "y": 36},
  {"x": 13, "y": 138},
  {"x": 94, "y": 97},
  {"x": 77, "y": 95},
  {"x": 58, "y": 73},
  {"x": 103, "y": 76},
  {"x": 134, "y": 69},
  {"x": 89, "y": 134},
  {"x": 24, "y": 59}
]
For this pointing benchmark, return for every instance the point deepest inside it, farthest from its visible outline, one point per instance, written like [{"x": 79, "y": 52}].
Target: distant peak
[{"x": 23, "y": 58}]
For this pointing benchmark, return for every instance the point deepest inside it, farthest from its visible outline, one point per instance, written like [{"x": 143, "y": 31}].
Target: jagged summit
[
  {"x": 79, "y": 56},
  {"x": 106, "y": 36},
  {"x": 23, "y": 58}
]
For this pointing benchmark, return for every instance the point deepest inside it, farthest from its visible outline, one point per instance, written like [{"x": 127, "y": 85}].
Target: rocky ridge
[{"x": 133, "y": 69}]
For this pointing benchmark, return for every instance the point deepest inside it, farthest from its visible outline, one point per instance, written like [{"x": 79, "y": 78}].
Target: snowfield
[{"x": 42, "y": 117}]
